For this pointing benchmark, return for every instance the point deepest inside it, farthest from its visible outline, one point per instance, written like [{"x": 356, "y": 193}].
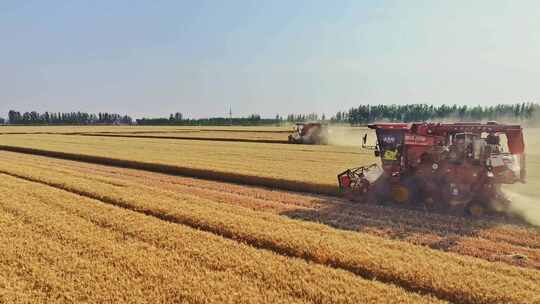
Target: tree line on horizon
[
  {"x": 519, "y": 112},
  {"x": 363, "y": 114},
  {"x": 69, "y": 118},
  {"x": 179, "y": 120},
  {"x": 251, "y": 120}
]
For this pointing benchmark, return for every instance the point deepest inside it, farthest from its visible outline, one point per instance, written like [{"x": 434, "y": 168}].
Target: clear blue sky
[{"x": 200, "y": 57}]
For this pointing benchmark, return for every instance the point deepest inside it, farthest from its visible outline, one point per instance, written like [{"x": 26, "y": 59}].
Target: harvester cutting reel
[{"x": 355, "y": 183}]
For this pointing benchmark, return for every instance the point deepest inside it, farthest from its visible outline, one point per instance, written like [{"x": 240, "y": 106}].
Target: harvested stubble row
[
  {"x": 490, "y": 239},
  {"x": 60, "y": 247},
  {"x": 253, "y": 137},
  {"x": 303, "y": 168},
  {"x": 447, "y": 276}
]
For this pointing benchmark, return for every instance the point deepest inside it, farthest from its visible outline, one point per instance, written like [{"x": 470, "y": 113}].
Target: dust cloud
[
  {"x": 349, "y": 136},
  {"x": 524, "y": 206},
  {"x": 524, "y": 197}
]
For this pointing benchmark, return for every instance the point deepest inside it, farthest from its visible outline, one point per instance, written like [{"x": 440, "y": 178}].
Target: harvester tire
[
  {"x": 407, "y": 192},
  {"x": 400, "y": 194},
  {"x": 475, "y": 209}
]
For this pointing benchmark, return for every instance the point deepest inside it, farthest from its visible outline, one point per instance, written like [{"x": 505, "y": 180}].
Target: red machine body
[
  {"x": 441, "y": 164},
  {"x": 311, "y": 133}
]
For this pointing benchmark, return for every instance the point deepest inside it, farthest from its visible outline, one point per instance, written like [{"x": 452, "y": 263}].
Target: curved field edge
[
  {"x": 61, "y": 237},
  {"x": 275, "y": 183},
  {"x": 447, "y": 276}
]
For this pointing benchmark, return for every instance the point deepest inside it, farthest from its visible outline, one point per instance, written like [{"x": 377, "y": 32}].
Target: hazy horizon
[{"x": 202, "y": 58}]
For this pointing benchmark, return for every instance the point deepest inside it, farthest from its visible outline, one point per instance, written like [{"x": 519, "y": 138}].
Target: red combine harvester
[
  {"x": 310, "y": 133},
  {"x": 458, "y": 167}
]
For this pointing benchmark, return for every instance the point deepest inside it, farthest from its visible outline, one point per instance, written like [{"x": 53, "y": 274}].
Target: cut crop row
[{"x": 447, "y": 276}]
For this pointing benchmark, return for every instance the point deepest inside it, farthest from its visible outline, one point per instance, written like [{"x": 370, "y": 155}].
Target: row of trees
[
  {"x": 254, "y": 119},
  {"x": 72, "y": 118},
  {"x": 179, "y": 120},
  {"x": 521, "y": 112},
  {"x": 305, "y": 117},
  {"x": 363, "y": 114}
]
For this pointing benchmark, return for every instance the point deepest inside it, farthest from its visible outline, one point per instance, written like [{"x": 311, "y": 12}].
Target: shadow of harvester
[{"x": 435, "y": 230}]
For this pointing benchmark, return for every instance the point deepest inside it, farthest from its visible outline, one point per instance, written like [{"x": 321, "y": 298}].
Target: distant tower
[{"x": 230, "y": 115}]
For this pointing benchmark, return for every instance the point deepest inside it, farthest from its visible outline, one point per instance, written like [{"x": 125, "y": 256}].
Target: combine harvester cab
[
  {"x": 458, "y": 167},
  {"x": 312, "y": 133}
]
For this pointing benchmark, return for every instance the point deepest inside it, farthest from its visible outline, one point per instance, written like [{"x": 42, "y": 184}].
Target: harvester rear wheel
[
  {"x": 475, "y": 209},
  {"x": 406, "y": 192},
  {"x": 400, "y": 194}
]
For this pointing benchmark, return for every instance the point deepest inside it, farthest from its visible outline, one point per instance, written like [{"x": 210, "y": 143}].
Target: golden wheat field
[{"x": 148, "y": 216}]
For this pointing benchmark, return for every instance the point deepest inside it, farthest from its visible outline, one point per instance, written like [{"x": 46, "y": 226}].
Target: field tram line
[
  {"x": 220, "y": 176},
  {"x": 255, "y": 243}
]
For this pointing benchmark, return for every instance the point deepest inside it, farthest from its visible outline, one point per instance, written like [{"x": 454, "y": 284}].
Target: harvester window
[
  {"x": 390, "y": 155},
  {"x": 497, "y": 142},
  {"x": 390, "y": 144}
]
